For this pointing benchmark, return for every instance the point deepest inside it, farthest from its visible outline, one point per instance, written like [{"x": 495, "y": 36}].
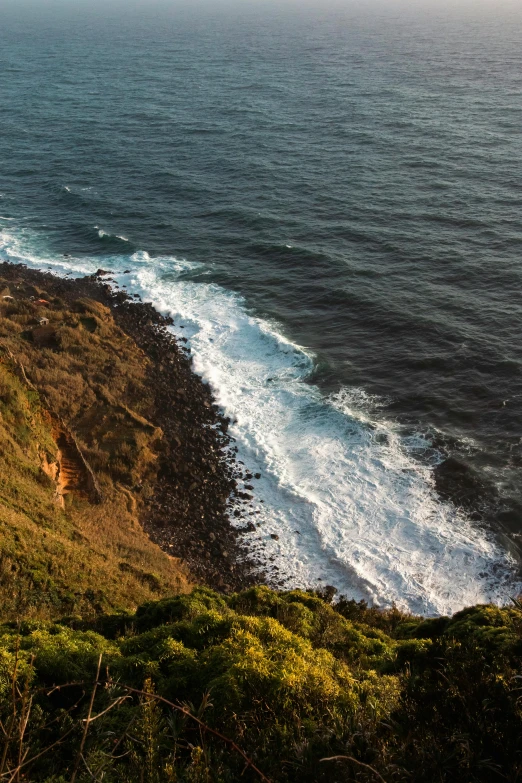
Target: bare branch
[
  {"x": 91, "y": 773},
  {"x": 114, "y": 704},
  {"x": 355, "y": 761},
  {"x": 39, "y": 755},
  {"x": 137, "y": 691}
]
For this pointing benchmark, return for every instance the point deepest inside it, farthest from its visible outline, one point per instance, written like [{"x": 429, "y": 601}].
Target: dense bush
[{"x": 288, "y": 677}]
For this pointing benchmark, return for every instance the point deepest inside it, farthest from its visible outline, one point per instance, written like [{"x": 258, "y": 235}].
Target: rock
[{"x": 274, "y": 536}]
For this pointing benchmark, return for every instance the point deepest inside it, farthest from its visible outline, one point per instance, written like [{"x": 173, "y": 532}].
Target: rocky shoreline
[{"x": 199, "y": 482}]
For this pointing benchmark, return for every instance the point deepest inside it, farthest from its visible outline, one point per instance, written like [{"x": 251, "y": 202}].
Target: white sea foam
[
  {"x": 102, "y": 233},
  {"x": 349, "y": 501}
]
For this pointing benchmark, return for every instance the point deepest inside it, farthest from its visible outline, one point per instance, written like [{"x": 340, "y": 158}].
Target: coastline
[
  {"x": 204, "y": 507},
  {"x": 198, "y": 477}
]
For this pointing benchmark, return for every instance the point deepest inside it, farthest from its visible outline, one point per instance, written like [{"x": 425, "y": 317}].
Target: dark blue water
[{"x": 331, "y": 202}]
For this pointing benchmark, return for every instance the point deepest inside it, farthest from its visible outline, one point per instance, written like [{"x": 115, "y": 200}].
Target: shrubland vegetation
[{"x": 289, "y": 678}]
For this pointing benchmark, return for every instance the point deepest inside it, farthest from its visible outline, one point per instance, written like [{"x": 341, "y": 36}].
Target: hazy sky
[
  {"x": 128, "y": 5},
  {"x": 503, "y": 14}
]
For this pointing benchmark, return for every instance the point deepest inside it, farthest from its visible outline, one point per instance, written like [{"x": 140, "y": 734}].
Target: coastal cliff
[{"x": 135, "y": 645}]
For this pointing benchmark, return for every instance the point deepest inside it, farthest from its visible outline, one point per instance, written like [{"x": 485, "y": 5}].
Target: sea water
[{"x": 327, "y": 202}]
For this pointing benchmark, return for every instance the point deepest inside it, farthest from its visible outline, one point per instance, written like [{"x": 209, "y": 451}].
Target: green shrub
[{"x": 284, "y": 675}]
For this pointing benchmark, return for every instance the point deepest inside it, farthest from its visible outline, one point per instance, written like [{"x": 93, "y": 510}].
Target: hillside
[
  {"x": 116, "y": 459},
  {"x": 134, "y": 646},
  {"x": 71, "y": 538}
]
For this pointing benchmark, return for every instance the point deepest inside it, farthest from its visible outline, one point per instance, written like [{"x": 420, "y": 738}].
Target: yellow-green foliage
[
  {"x": 269, "y": 686},
  {"x": 58, "y": 649},
  {"x": 290, "y": 690},
  {"x": 495, "y": 629}
]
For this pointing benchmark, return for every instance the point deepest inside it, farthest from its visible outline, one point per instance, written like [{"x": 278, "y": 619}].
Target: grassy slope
[{"x": 83, "y": 558}]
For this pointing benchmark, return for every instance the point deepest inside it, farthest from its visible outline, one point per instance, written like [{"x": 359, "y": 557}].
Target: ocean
[{"x": 328, "y": 202}]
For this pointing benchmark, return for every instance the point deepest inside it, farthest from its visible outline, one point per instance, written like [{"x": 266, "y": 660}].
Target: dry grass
[{"x": 82, "y": 558}]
